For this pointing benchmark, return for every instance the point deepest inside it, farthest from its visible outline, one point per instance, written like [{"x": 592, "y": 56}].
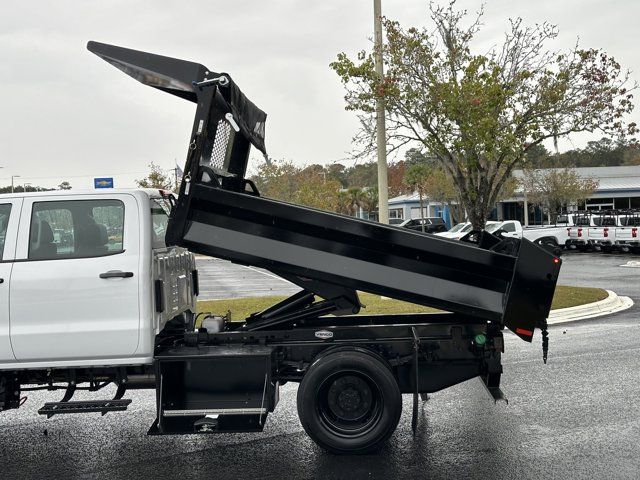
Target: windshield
[
  {"x": 457, "y": 227},
  {"x": 492, "y": 226},
  {"x": 160, "y": 209}
]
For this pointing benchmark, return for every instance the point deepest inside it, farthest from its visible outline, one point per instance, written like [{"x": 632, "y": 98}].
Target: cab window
[
  {"x": 509, "y": 227},
  {"x": 76, "y": 228},
  {"x": 160, "y": 210},
  {"x": 5, "y": 211}
]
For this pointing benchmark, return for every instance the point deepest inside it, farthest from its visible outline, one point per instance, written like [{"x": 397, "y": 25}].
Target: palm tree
[
  {"x": 369, "y": 200},
  {"x": 355, "y": 196}
]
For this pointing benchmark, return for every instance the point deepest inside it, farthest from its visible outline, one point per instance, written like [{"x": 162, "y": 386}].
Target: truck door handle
[{"x": 116, "y": 274}]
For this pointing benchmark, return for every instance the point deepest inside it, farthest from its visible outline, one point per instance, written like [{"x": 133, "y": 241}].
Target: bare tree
[{"x": 556, "y": 189}]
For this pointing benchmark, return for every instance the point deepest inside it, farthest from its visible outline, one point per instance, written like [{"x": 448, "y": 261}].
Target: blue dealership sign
[{"x": 103, "y": 182}]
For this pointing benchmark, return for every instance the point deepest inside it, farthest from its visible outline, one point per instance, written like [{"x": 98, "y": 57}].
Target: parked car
[
  {"x": 456, "y": 232},
  {"x": 506, "y": 228},
  {"x": 431, "y": 224},
  {"x": 509, "y": 228}
]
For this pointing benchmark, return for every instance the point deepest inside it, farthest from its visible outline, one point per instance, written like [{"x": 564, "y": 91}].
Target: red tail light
[
  {"x": 606, "y": 232},
  {"x": 634, "y": 232},
  {"x": 579, "y": 232}
]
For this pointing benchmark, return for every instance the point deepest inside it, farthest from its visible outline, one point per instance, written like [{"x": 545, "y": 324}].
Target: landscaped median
[{"x": 240, "y": 308}]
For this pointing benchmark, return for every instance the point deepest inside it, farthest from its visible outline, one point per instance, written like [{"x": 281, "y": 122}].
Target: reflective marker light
[{"x": 480, "y": 339}]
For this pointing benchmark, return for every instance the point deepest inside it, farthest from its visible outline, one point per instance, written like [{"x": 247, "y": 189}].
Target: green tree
[
  {"x": 362, "y": 175},
  {"x": 277, "y": 180},
  {"x": 337, "y": 171},
  {"x": 312, "y": 186},
  {"x": 369, "y": 200},
  {"x": 354, "y": 200},
  {"x": 64, "y": 186},
  {"x": 344, "y": 203},
  {"x": 537, "y": 156},
  {"x": 315, "y": 190},
  {"x": 157, "y": 178},
  {"x": 631, "y": 156},
  {"x": 416, "y": 155},
  {"x": 479, "y": 114}
]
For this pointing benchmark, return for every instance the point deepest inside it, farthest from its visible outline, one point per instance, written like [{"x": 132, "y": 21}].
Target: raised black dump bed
[{"x": 486, "y": 283}]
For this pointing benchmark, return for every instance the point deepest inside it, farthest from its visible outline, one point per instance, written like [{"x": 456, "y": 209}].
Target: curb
[{"x": 612, "y": 304}]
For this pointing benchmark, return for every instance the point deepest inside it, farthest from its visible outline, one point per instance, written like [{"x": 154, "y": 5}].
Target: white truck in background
[
  {"x": 607, "y": 231},
  {"x": 628, "y": 234},
  {"x": 551, "y": 237}
]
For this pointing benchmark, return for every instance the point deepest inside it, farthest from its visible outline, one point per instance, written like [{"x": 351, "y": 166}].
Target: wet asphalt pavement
[{"x": 577, "y": 417}]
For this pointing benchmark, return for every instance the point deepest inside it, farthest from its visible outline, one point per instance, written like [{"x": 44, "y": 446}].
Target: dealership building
[{"x": 618, "y": 188}]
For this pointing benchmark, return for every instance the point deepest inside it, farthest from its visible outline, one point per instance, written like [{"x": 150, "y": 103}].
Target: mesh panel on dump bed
[{"x": 220, "y": 145}]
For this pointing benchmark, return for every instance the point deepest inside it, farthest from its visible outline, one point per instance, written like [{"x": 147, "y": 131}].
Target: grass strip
[{"x": 240, "y": 308}]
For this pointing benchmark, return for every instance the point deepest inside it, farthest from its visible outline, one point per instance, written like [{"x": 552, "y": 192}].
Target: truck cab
[{"x": 86, "y": 278}]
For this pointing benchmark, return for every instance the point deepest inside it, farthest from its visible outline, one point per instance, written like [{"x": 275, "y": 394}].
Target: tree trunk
[{"x": 478, "y": 214}]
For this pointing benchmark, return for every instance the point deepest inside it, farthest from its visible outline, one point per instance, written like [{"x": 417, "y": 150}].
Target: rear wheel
[{"x": 349, "y": 402}]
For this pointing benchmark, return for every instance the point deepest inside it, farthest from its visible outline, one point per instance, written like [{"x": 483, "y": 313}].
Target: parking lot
[{"x": 575, "y": 417}]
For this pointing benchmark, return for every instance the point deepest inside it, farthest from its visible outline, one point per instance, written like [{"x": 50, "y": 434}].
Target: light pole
[
  {"x": 383, "y": 189},
  {"x": 12, "y": 177}
]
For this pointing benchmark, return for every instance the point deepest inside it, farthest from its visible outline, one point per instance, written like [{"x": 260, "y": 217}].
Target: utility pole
[
  {"x": 383, "y": 188},
  {"x": 176, "y": 171}
]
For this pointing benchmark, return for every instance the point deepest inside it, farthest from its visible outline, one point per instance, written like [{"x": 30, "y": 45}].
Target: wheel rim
[{"x": 349, "y": 403}]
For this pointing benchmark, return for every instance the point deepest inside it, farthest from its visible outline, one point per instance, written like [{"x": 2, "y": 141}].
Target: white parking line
[{"x": 268, "y": 274}]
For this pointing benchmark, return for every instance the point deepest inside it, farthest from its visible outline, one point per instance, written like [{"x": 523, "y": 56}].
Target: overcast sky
[{"x": 67, "y": 115}]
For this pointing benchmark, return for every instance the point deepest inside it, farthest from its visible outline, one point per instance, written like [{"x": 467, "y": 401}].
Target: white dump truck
[{"x": 93, "y": 296}]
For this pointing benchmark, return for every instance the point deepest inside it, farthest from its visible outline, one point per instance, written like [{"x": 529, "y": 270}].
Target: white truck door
[
  {"x": 510, "y": 230},
  {"x": 74, "y": 285},
  {"x": 9, "y": 216}
]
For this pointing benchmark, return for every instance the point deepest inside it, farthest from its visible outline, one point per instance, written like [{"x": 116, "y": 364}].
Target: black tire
[{"x": 349, "y": 402}]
